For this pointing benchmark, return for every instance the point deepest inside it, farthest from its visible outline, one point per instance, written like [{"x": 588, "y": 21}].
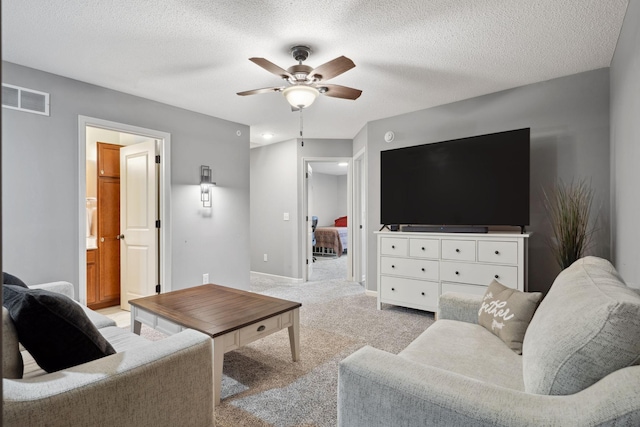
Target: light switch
[{"x": 286, "y": 216}]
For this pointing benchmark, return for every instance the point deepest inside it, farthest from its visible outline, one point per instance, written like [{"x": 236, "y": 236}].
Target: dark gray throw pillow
[
  {"x": 53, "y": 328},
  {"x": 10, "y": 279}
]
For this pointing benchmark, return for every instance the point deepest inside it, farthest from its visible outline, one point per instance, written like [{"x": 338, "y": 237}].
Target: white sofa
[
  {"x": 162, "y": 383},
  {"x": 579, "y": 365}
]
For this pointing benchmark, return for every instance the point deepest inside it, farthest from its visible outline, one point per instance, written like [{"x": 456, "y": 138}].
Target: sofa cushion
[
  {"x": 99, "y": 320},
  {"x": 12, "y": 363},
  {"x": 53, "y": 328},
  {"x": 467, "y": 349},
  {"x": 506, "y": 313},
  {"x": 123, "y": 339},
  {"x": 587, "y": 327}
]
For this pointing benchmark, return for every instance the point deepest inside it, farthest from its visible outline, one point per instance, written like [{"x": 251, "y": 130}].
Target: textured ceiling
[{"x": 409, "y": 55}]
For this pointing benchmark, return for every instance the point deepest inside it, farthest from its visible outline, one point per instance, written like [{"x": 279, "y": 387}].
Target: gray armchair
[
  {"x": 166, "y": 382},
  {"x": 457, "y": 373}
]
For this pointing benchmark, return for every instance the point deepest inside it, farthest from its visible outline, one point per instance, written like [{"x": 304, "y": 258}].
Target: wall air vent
[{"x": 28, "y": 100}]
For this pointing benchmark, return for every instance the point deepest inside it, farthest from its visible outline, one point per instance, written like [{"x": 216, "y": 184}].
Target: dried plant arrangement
[{"x": 568, "y": 208}]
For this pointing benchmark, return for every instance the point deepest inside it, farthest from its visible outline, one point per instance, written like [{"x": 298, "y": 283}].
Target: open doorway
[
  {"x": 326, "y": 211},
  {"x": 124, "y": 212}
]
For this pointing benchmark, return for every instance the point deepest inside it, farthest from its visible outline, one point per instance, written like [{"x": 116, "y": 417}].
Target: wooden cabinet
[
  {"x": 108, "y": 160},
  {"x": 92, "y": 277},
  {"x": 414, "y": 269},
  {"x": 107, "y": 291}
]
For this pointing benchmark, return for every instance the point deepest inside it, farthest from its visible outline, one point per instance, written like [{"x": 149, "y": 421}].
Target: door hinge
[
  {"x": 157, "y": 223},
  {"x": 158, "y": 289},
  {"x": 307, "y": 262},
  {"x": 306, "y": 175},
  {"x": 158, "y": 158},
  {"x": 307, "y": 218}
]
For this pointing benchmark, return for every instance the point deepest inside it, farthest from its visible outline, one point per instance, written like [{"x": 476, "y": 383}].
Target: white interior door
[
  {"x": 138, "y": 214},
  {"x": 309, "y": 192}
]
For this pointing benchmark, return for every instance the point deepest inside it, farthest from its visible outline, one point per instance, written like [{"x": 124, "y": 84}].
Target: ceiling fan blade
[
  {"x": 263, "y": 90},
  {"x": 333, "y": 68},
  {"x": 271, "y": 67},
  {"x": 344, "y": 92}
]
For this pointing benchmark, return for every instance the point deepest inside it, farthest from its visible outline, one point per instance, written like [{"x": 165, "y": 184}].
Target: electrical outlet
[
  {"x": 205, "y": 278},
  {"x": 265, "y": 258}
]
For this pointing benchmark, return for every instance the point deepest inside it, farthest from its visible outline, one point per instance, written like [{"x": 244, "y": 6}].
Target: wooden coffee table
[{"x": 231, "y": 317}]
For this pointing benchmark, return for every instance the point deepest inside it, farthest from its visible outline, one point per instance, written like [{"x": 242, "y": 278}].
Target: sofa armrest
[
  {"x": 64, "y": 288},
  {"x": 377, "y": 389},
  {"x": 167, "y": 382},
  {"x": 459, "y": 306}
]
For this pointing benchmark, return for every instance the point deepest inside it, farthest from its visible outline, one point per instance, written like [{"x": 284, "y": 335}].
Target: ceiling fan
[{"x": 306, "y": 83}]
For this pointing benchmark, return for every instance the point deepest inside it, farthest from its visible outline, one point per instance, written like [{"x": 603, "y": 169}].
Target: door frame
[
  {"x": 359, "y": 224},
  {"x": 164, "y": 244},
  {"x": 303, "y": 212}
]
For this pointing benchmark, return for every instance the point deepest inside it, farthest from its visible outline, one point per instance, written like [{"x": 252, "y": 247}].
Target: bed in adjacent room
[{"x": 332, "y": 240}]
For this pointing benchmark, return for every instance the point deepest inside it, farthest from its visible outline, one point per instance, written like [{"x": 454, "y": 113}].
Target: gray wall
[
  {"x": 342, "y": 196},
  {"x": 40, "y": 182},
  {"x": 625, "y": 148},
  {"x": 569, "y": 121},
  {"x": 360, "y": 140},
  {"x": 273, "y": 192},
  {"x": 275, "y": 189},
  {"x": 329, "y": 198}
]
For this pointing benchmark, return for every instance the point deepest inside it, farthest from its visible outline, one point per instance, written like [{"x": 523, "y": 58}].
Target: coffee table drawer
[{"x": 259, "y": 329}]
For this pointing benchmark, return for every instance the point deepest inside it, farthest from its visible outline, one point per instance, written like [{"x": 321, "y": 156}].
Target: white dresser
[{"x": 414, "y": 269}]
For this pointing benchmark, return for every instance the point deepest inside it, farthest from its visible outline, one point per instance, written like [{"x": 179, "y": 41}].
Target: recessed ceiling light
[
  {"x": 267, "y": 135},
  {"x": 343, "y": 164}
]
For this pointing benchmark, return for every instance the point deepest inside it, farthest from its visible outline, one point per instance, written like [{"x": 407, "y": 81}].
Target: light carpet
[{"x": 261, "y": 386}]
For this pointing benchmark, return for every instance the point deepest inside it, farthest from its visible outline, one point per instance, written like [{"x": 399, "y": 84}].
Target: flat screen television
[{"x": 476, "y": 181}]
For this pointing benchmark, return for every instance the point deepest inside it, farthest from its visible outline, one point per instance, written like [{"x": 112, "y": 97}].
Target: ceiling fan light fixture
[{"x": 300, "y": 96}]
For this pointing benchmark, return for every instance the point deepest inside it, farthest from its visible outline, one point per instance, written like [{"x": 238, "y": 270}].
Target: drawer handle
[
  {"x": 261, "y": 328},
  {"x": 496, "y": 276},
  {"x": 457, "y": 273},
  {"x": 393, "y": 289},
  {"x": 423, "y": 269},
  {"x": 393, "y": 246},
  {"x": 423, "y": 248},
  {"x": 393, "y": 266},
  {"x": 422, "y": 293},
  {"x": 458, "y": 250},
  {"x": 497, "y": 252}
]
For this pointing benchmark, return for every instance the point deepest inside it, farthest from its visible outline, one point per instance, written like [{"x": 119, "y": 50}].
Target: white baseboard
[
  {"x": 276, "y": 277},
  {"x": 371, "y": 293}
]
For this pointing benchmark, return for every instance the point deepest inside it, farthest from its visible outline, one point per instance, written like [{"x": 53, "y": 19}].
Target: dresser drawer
[
  {"x": 414, "y": 268},
  {"x": 409, "y": 292},
  {"x": 258, "y": 330},
  {"x": 459, "y": 250},
  {"x": 394, "y": 246},
  {"x": 479, "y": 274},
  {"x": 498, "y": 252},
  {"x": 424, "y": 248},
  {"x": 464, "y": 288}
]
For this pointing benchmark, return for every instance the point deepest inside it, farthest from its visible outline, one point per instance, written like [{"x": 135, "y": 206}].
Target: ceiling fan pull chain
[{"x": 301, "y": 128}]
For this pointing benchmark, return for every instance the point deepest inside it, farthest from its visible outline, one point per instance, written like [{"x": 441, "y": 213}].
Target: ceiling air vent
[{"x": 28, "y": 100}]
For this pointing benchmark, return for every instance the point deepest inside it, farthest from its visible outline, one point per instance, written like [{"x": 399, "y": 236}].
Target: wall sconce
[{"x": 205, "y": 186}]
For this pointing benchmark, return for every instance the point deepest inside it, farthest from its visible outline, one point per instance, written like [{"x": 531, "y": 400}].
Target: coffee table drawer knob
[{"x": 259, "y": 329}]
